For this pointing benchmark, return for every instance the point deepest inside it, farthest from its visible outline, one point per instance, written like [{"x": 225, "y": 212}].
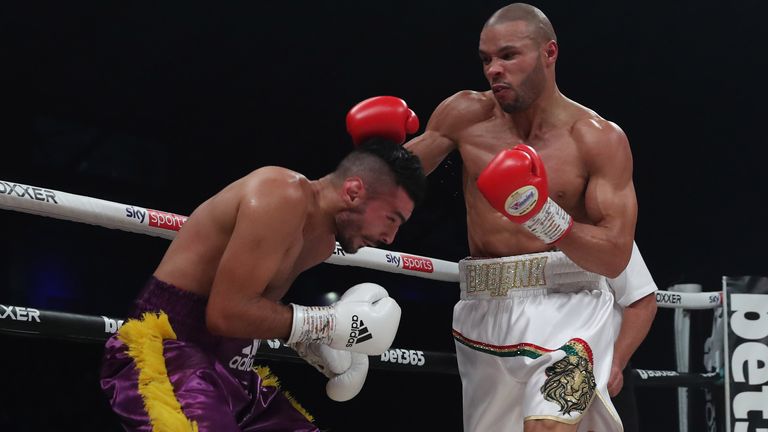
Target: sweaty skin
[
  {"x": 587, "y": 159},
  {"x": 244, "y": 247}
]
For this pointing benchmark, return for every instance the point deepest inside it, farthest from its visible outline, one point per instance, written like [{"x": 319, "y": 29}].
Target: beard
[
  {"x": 527, "y": 92},
  {"x": 347, "y": 244},
  {"x": 348, "y": 227}
]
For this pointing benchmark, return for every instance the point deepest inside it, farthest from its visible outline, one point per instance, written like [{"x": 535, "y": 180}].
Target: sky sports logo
[
  {"x": 156, "y": 218},
  {"x": 165, "y": 220},
  {"x": 410, "y": 262}
]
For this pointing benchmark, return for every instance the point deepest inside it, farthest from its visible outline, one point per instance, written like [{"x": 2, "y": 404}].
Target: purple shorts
[{"x": 211, "y": 376}]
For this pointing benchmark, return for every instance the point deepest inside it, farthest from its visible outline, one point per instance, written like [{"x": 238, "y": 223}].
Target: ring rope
[
  {"x": 22, "y": 321},
  {"x": 689, "y": 300},
  {"x": 132, "y": 218},
  {"x": 137, "y": 219}
]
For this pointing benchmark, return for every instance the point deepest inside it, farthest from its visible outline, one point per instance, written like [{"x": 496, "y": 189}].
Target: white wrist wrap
[
  {"x": 312, "y": 324},
  {"x": 550, "y": 223}
]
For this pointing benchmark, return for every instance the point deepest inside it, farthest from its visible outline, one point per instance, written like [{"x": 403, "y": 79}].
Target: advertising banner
[{"x": 746, "y": 341}]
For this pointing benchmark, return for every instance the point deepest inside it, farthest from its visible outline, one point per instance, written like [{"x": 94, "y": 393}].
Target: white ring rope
[
  {"x": 132, "y": 218},
  {"x": 689, "y": 300},
  {"x": 78, "y": 208}
]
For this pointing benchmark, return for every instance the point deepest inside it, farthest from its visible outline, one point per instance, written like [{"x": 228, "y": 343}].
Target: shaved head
[{"x": 538, "y": 23}]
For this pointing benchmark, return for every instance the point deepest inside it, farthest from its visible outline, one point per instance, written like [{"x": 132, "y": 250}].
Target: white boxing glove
[
  {"x": 346, "y": 371},
  {"x": 330, "y": 362},
  {"x": 347, "y": 385},
  {"x": 364, "y": 320}
]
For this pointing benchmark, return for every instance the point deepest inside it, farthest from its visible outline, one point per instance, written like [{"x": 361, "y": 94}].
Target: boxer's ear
[
  {"x": 353, "y": 191},
  {"x": 551, "y": 50}
]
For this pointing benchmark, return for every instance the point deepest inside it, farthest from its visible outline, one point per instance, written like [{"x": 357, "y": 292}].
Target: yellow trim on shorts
[
  {"x": 144, "y": 339},
  {"x": 268, "y": 379}
]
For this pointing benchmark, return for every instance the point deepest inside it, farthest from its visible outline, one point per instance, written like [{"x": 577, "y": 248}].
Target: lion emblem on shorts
[{"x": 570, "y": 382}]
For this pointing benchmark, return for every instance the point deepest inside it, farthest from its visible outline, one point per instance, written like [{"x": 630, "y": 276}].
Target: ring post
[{"x": 682, "y": 325}]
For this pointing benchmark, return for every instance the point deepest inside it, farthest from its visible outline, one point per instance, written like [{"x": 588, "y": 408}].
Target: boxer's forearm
[
  {"x": 601, "y": 250},
  {"x": 635, "y": 324}
]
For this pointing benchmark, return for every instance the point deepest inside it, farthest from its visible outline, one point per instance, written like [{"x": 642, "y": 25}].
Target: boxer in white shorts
[
  {"x": 539, "y": 172},
  {"x": 534, "y": 339}
]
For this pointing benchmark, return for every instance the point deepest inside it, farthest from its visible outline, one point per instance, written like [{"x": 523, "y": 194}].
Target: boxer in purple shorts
[
  {"x": 198, "y": 363},
  {"x": 183, "y": 361}
]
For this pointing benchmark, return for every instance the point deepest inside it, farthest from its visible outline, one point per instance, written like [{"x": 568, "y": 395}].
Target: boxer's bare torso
[
  {"x": 573, "y": 142},
  {"x": 251, "y": 206}
]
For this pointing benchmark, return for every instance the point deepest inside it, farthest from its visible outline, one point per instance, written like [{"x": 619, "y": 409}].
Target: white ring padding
[
  {"x": 398, "y": 262},
  {"x": 132, "y": 218},
  {"x": 692, "y": 300},
  {"x": 78, "y": 208}
]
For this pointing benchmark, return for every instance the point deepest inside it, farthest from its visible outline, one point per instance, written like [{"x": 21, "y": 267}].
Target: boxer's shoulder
[
  {"x": 274, "y": 185},
  {"x": 272, "y": 173},
  {"x": 463, "y": 109},
  {"x": 471, "y": 104},
  {"x": 588, "y": 128},
  {"x": 274, "y": 179}
]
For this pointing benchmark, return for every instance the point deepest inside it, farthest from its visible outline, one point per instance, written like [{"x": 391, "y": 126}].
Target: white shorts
[{"x": 534, "y": 340}]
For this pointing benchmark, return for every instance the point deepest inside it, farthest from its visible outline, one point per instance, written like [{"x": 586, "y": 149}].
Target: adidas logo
[
  {"x": 245, "y": 362},
  {"x": 358, "y": 332}
]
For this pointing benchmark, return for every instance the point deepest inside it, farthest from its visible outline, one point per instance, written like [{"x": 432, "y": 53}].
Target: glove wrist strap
[
  {"x": 551, "y": 223},
  {"x": 312, "y": 324}
]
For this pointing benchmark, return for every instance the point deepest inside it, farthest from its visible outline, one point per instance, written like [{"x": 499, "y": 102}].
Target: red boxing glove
[
  {"x": 515, "y": 184},
  {"x": 383, "y": 117}
]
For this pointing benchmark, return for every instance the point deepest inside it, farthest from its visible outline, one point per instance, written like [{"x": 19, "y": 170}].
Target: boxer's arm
[
  {"x": 440, "y": 136},
  {"x": 603, "y": 244},
  {"x": 431, "y": 147},
  {"x": 634, "y": 291},
  {"x": 635, "y": 324},
  {"x": 266, "y": 224}
]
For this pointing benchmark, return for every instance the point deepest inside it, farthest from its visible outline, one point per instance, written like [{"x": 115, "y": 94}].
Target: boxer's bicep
[
  {"x": 431, "y": 147},
  {"x": 610, "y": 199},
  {"x": 448, "y": 121},
  {"x": 264, "y": 231}
]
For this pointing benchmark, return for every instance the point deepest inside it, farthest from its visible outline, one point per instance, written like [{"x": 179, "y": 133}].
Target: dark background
[{"x": 161, "y": 104}]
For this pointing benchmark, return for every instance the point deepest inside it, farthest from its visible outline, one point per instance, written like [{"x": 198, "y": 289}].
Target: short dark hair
[{"x": 381, "y": 162}]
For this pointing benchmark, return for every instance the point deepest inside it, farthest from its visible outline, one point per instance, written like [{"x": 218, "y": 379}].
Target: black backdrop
[{"x": 160, "y": 104}]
